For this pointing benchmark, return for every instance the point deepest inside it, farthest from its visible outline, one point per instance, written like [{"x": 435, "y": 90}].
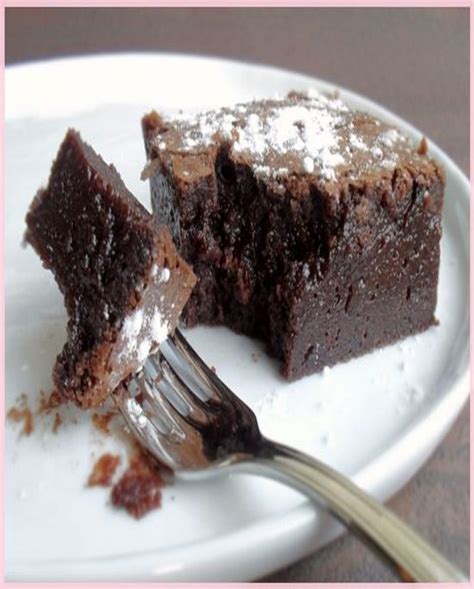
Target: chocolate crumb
[
  {"x": 57, "y": 423},
  {"x": 102, "y": 421},
  {"x": 48, "y": 402},
  {"x": 423, "y": 147},
  {"x": 139, "y": 489},
  {"x": 25, "y": 415},
  {"x": 22, "y": 413},
  {"x": 104, "y": 470}
]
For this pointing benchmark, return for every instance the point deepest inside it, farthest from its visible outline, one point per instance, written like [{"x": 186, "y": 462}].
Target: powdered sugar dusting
[
  {"x": 261, "y": 171},
  {"x": 144, "y": 350},
  {"x": 132, "y": 325},
  {"x": 306, "y": 130},
  {"x": 165, "y": 275},
  {"x": 390, "y": 137},
  {"x": 308, "y": 164},
  {"x": 316, "y": 133},
  {"x": 357, "y": 142},
  {"x": 159, "y": 327},
  {"x": 141, "y": 332}
]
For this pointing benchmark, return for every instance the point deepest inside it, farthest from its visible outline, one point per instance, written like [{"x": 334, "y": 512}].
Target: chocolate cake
[
  {"x": 123, "y": 283},
  {"x": 310, "y": 225}
]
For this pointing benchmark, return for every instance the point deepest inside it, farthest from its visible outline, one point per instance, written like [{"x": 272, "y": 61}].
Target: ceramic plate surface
[{"x": 376, "y": 418}]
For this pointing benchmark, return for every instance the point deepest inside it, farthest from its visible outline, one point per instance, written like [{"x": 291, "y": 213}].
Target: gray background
[{"x": 414, "y": 61}]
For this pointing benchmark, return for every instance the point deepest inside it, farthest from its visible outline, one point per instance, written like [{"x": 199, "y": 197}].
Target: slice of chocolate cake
[
  {"x": 310, "y": 225},
  {"x": 123, "y": 283}
]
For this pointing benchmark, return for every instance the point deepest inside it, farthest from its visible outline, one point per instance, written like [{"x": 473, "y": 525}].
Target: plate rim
[{"x": 445, "y": 409}]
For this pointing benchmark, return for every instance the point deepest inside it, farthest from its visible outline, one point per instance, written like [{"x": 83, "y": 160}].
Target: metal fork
[{"x": 190, "y": 420}]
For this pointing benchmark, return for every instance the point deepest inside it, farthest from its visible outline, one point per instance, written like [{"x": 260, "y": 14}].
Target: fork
[{"x": 190, "y": 420}]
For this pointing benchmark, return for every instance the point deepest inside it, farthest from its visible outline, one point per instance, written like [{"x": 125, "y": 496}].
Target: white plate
[{"x": 376, "y": 418}]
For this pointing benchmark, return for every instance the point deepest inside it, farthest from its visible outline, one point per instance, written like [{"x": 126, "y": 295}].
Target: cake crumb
[
  {"x": 48, "y": 402},
  {"x": 214, "y": 369},
  {"x": 22, "y": 413},
  {"x": 57, "y": 422},
  {"x": 139, "y": 489},
  {"x": 104, "y": 470},
  {"x": 423, "y": 147},
  {"x": 102, "y": 421}
]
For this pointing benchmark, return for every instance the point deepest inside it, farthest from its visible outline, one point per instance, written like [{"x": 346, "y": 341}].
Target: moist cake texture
[
  {"x": 124, "y": 284},
  {"x": 310, "y": 225}
]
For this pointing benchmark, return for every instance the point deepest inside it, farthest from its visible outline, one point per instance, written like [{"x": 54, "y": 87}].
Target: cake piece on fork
[{"x": 124, "y": 284}]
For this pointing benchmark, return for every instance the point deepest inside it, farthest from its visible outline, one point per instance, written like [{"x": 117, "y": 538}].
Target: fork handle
[{"x": 411, "y": 557}]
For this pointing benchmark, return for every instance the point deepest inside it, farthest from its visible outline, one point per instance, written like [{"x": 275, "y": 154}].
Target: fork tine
[
  {"x": 183, "y": 348},
  {"x": 163, "y": 419},
  {"x": 145, "y": 430},
  {"x": 157, "y": 368},
  {"x": 133, "y": 405},
  {"x": 186, "y": 402},
  {"x": 183, "y": 368},
  {"x": 160, "y": 395},
  {"x": 161, "y": 406}
]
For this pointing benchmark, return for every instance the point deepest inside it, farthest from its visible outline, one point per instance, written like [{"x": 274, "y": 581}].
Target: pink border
[
  {"x": 2, "y": 308},
  {"x": 471, "y": 277},
  {"x": 190, "y": 3},
  {"x": 242, "y": 3}
]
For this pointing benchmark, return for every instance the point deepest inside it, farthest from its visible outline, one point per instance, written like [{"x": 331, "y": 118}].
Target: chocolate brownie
[
  {"x": 123, "y": 283},
  {"x": 310, "y": 225}
]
